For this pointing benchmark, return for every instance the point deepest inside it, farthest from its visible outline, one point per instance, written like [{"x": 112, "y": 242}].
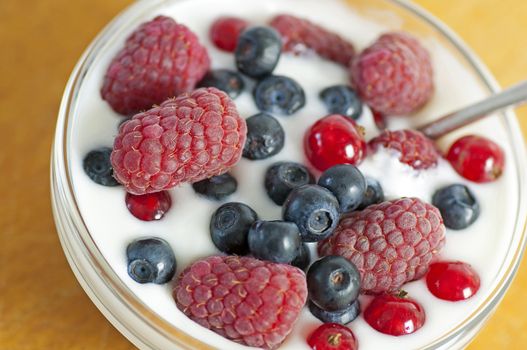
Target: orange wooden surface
[{"x": 41, "y": 304}]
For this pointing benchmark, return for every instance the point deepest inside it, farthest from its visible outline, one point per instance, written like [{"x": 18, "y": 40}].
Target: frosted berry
[
  {"x": 373, "y": 194},
  {"x": 333, "y": 283},
  {"x": 229, "y": 227},
  {"x": 452, "y": 281},
  {"x": 343, "y": 316},
  {"x": 150, "y": 260},
  {"x": 150, "y": 206},
  {"x": 341, "y": 99},
  {"x": 250, "y": 301},
  {"x": 458, "y": 206},
  {"x": 332, "y": 336},
  {"x": 228, "y": 81},
  {"x": 160, "y": 60},
  {"x": 265, "y": 137},
  {"x": 301, "y": 36},
  {"x": 282, "y": 177},
  {"x": 276, "y": 241},
  {"x": 347, "y": 183},
  {"x": 98, "y": 167},
  {"x": 394, "y": 315},
  {"x": 412, "y": 147},
  {"x": 390, "y": 243},
  {"x": 334, "y": 140},
  {"x": 257, "y": 51},
  {"x": 303, "y": 257},
  {"x": 279, "y": 94},
  {"x": 217, "y": 187},
  {"x": 394, "y": 75},
  {"x": 314, "y": 209},
  {"x": 477, "y": 158},
  {"x": 187, "y": 139},
  {"x": 225, "y": 31}
]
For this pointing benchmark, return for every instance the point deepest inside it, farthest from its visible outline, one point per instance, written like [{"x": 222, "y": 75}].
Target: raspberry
[
  {"x": 414, "y": 148},
  {"x": 225, "y": 31},
  {"x": 394, "y": 75},
  {"x": 243, "y": 299},
  {"x": 300, "y": 36},
  {"x": 186, "y": 139},
  {"x": 390, "y": 243},
  {"x": 161, "y": 59}
]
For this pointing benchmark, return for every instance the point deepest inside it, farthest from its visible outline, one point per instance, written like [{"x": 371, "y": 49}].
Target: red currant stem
[
  {"x": 402, "y": 294},
  {"x": 513, "y": 96}
]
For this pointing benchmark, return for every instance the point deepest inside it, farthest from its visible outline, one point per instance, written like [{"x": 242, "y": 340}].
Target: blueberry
[
  {"x": 303, "y": 257},
  {"x": 229, "y": 81},
  {"x": 341, "y": 99},
  {"x": 229, "y": 227},
  {"x": 333, "y": 282},
  {"x": 373, "y": 194},
  {"x": 98, "y": 167},
  {"x": 344, "y": 316},
  {"x": 315, "y": 211},
  {"x": 282, "y": 177},
  {"x": 276, "y": 241},
  {"x": 217, "y": 187},
  {"x": 265, "y": 137},
  {"x": 458, "y": 206},
  {"x": 150, "y": 260},
  {"x": 279, "y": 94},
  {"x": 258, "y": 51},
  {"x": 347, "y": 183}
]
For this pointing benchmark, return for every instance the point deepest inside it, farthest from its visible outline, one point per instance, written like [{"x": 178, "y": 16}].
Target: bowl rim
[{"x": 100, "y": 280}]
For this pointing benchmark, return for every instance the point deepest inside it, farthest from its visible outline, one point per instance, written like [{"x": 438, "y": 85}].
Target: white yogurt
[{"x": 185, "y": 226}]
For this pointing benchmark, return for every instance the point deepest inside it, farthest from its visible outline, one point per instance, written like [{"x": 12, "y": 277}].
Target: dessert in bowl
[{"x": 97, "y": 227}]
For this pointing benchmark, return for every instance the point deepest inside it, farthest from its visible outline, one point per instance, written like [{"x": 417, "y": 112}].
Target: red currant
[
  {"x": 394, "y": 315},
  {"x": 476, "y": 158},
  {"x": 148, "y": 207},
  {"x": 379, "y": 119},
  {"x": 452, "y": 281},
  {"x": 334, "y": 140},
  {"x": 225, "y": 31},
  {"x": 332, "y": 336}
]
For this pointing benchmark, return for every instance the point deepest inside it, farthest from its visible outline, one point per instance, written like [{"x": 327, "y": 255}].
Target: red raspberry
[
  {"x": 414, "y": 148},
  {"x": 225, "y": 31},
  {"x": 187, "y": 139},
  {"x": 391, "y": 243},
  {"x": 395, "y": 315},
  {"x": 332, "y": 336},
  {"x": 160, "y": 59},
  {"x": 246, "y": 300},
  {"x": 394, "y": 75},
  {"x": 300, "y": 35},
  {"x": 477, "y": 158}
]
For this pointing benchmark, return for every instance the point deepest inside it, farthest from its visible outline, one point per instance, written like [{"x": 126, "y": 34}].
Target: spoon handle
[{"x": 512, "y": 96}]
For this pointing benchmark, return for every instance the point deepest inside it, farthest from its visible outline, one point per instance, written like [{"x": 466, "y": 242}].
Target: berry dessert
[{"x": 271, "y": 150}]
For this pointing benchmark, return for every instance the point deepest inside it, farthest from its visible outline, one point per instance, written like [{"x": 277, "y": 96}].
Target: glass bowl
[{"x": 136, "y": 320}]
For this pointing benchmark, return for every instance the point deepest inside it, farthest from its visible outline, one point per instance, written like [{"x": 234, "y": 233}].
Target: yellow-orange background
[{"x": 41, "y": 304}]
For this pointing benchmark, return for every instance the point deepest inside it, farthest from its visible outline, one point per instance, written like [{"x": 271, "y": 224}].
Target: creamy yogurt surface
[{"x": 186, "y": 226}]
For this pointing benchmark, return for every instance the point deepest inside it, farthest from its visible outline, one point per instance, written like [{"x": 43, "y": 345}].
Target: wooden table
[{"x": 41, "y": 304}]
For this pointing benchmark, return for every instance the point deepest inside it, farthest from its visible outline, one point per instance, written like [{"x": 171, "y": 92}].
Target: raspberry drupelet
[
  {"x": 390, "y": 243},
  {"x": 159, "y": 60},
  {"x": 249, "y": 301},
  {"x": 187, "y": 139}
]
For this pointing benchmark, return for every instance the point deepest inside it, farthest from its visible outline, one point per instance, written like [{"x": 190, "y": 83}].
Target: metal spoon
[{"x": 513, "y": 96}]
